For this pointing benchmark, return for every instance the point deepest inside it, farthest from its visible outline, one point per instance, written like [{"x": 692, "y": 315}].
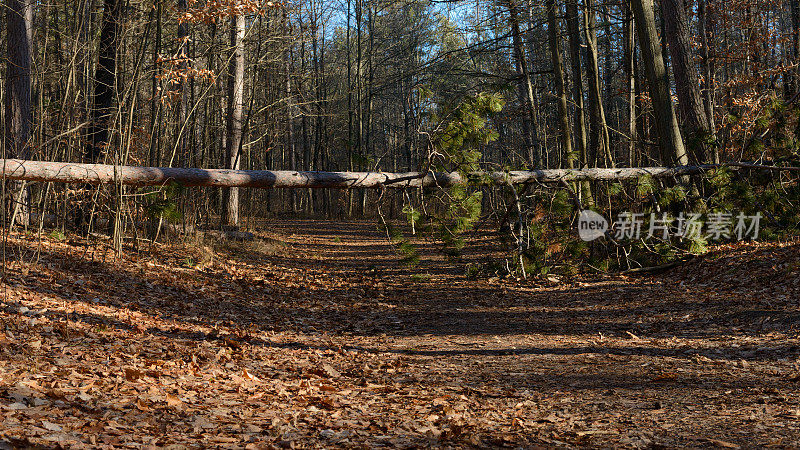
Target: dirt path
[{"x": 328, "y": 342}]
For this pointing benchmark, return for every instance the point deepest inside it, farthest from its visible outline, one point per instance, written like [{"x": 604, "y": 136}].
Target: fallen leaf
[
  {"x": 133, "y": 374},
  {"x": 141, "y": 405},
  {"x": 201, "y": 423},
  {"x": 50, "y": 426},
  {"x": 794, "y": 378},
  {"x": 249, "y": 376},
  {"x": 330, "y": 371},
  {"x": 664, "y": 377},
  {"x": 173, "y": 400},
  {"x": 722, "y": 444}
]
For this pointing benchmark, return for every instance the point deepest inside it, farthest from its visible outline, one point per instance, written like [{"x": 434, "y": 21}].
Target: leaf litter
[{"x": 330, "y": 343}]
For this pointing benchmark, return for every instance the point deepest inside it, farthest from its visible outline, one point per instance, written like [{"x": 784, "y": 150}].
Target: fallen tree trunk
[{"x": 60, "y": 172}]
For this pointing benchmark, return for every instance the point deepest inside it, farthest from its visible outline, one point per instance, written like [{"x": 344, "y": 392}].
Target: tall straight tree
[
  {"x": 598, "y": 130},
  {"x": 704, "y": 29},
  {"x": 558, "y": 76},
  {"x": 630, "y": 77},
  {"x": 181, "y": 87},
  {"x": 235, "y": 115},
  {"x": 19, "y": 24},
  {"x": 290, "y": 146},
  {"x": 671, "y": 142},
  {"x": 154, "y": 151},
  {"x": 105, "y": 79},
  {"x": 795, "y": 85},
  {"x": 525, "y": 89},
  {"x": 687, "y": 82},
  {"x": 579, "y": 119}
]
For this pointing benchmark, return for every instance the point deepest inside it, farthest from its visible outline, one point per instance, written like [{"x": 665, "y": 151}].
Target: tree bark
[
  {"x": 795, "y": 45},
  {"x": 708, "y": 87},
  {"x": 105, "y": 79},
  {"x": 181, "y": 88},
  {"x": 154, "y": 151},
  {"x": 579, "y": 119},
  {"x": 598, "y": 130},
  {"x": 671, "y": 143},
  {"x": 525, "y": 90},
  {"x": 687, "y": 82},
  {"x": 75, "y": 173},
  {"x": 19, "y": 25},
  {"x": 630, "y": 74},
  {"x": 558, "y": 76},
  {"x": 291, "y": 146},
  {"x": 235, "y": 113}
]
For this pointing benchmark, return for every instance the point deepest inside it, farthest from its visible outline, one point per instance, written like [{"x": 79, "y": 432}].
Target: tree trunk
[
  {"x": 525, "y": 90},
  {"x": 350, "y": 121},
  {"x": 598, "y": 130},
  {"x": 795, "y": 45},
  {"x": 704, "y": 30},
  {"x": 62, "y": 172},
  {"x": 579, "y": 121},
  {"x": 558, "y": 76},
  {"x": 630, "y": 74},
  {"x": 235, "y": 113},
  {"x": 19, "y": 23},
  {"x": 154, "y": 152},
  {"x": 291, "y": 146},
  {"x": 105, "y": 79},
  {"x": 359, "y": 152},
  {"x": 181, "y": 88},
  {"x": 687, "y": 82},
  {"x": 671, "y": 143}
]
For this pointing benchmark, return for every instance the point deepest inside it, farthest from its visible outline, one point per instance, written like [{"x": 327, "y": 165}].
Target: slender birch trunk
[{"x": 235, "y": 115}]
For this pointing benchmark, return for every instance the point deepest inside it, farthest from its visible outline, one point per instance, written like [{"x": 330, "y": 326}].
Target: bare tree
[
  {"x": 687, "y": 82},
  {"x": 598, "y": 130},
  {"x": 579, "y": 119},
  {"x": 630, "y": 76},
  {"x": 105, "y": 79},
  {"x": 670, "y": 141},
  {"x": 795, "y": 44},
  {"x": 525, "y": 89},
  {"x": 19, "y": 23},
  {"x": 181, "y": 87},
  {"x": 235, "y": 115},
  {"x": 704, "y": 30},
  {"x": 558, "y": 76}
]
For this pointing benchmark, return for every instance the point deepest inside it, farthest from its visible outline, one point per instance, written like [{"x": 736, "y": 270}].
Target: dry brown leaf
[
  {"x": 794, "y": 378},
  {"x": 330, "y": 371},
  {"x": 133, "y": 374},
  {"x": 248, "y": 376},
  {"x": 723, "y": 444},
  {"x": 173, "y": 401},
  {"x": 665, "y": 377},
  {"x": 141, "y": 405},
  {"x": 50, "y": 426}
]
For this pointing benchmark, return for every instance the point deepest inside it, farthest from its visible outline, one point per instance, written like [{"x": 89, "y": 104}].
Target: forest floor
[{"x": 317, "y": 338}]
